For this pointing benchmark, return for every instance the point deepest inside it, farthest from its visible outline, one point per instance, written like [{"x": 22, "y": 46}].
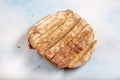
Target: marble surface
[{"x": 17, "y": 61}]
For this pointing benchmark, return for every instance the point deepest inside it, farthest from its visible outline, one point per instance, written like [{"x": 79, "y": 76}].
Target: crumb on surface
[
  {"x": 32, "y": 15},
  {"x": 38, "y": 66},
  {"x": 18, "y": 46}
]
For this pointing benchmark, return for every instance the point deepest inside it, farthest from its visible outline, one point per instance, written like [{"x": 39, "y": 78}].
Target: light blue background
[{"x": 17, "y": 16}]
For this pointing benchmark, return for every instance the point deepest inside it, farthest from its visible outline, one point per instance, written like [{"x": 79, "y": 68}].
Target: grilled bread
[{"x": 64, "y": 38}]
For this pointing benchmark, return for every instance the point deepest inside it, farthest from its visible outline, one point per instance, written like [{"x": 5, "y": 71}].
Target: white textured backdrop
[{"x": 16, "y": 16}]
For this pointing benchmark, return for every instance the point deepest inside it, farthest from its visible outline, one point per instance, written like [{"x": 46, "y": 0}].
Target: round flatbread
[{"x": 64, "y": 38}]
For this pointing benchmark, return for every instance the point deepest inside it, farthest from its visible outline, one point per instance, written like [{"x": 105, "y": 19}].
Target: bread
[{"x": 64, "y": 38}]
